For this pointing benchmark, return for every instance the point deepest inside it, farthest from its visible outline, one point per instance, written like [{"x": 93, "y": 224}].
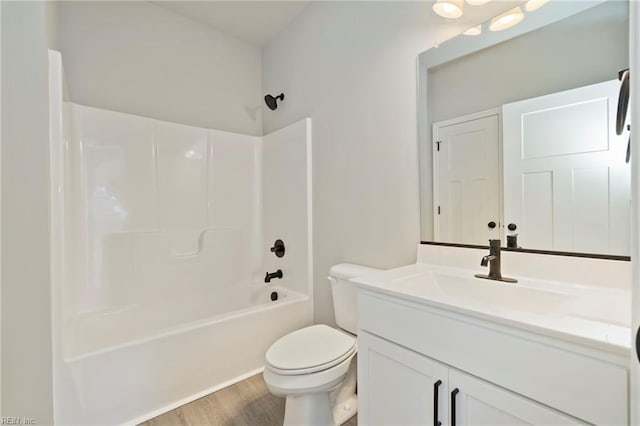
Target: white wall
[
  {"x": 26, "y": 301},
  {"x": 51, "y": 13},
  {"x": 139, "y": 58},
  {"x": 351, "y": 67},
  {"x": 584, "y": 49}
]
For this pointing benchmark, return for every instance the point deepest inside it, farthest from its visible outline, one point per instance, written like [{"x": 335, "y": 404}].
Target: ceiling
[{"x": 256, "y": 22}]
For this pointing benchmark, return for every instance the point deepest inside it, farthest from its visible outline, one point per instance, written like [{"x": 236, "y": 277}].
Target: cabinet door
[
  {"x": 480, "y": 403},
  {"x": 397, "y": 386}
]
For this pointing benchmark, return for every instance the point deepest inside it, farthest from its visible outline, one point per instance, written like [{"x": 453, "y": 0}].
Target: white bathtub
[
  {"x": 113, "y": 377},
  {"x": 114, "y": 328}
]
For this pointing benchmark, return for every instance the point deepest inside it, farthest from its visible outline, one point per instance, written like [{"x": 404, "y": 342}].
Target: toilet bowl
[
  {"x": 315, "y": 368},
  {"x": 309, "y": 368}
]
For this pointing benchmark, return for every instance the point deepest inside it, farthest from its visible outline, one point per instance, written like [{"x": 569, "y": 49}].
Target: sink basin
[
  {"x": 474, "y": 292},
  {"x": 503, "y": 294}
]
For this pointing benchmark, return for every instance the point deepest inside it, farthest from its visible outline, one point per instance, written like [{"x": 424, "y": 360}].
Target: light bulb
[
  {"x": 474, "y": 31},
  {"x": 507, "y": 19},
  {"x": 450, "y": 9},
  {"x": 534, "y": 5}
]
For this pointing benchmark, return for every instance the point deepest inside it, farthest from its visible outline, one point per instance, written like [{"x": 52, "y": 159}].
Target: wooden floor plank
[{"x": 246, "y": 403}]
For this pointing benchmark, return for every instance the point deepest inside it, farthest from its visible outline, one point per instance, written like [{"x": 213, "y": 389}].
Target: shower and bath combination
[{"x": 129, "y": 296}]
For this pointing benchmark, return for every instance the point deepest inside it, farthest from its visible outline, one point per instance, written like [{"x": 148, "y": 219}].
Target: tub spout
[{"x": 272, "y": 275}]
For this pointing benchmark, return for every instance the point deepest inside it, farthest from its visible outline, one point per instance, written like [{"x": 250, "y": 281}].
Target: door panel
[
  {"x": 566, "y": 183},
  {"x": 537, "y": 208}
]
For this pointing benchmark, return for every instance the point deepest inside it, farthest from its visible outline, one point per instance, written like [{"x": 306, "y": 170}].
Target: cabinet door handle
[
  {"x": 436, "y": 385},
  {"x": 453, "y": 406}
]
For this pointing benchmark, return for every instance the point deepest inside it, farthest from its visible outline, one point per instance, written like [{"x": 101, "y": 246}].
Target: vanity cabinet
[
  {"x": 498, "y": 374},
  {"x": 482, "y": 403},
  {"x": 400, "y": 387}
]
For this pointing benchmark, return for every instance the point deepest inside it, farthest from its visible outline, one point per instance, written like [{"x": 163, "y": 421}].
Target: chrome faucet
[{"x": 493, "y": 261}]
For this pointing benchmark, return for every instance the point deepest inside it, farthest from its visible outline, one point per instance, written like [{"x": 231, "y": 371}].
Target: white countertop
[{"x": 597, "y": 317}]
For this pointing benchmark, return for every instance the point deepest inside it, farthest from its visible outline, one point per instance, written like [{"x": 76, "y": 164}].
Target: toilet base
[
  {"x": 311, "y": 409},
  {"x": 315, "y": 410},
  {"x": 343, "y": 399},
  {"x": 332, "y": 408},
  {"x": 345, "y": 410}
]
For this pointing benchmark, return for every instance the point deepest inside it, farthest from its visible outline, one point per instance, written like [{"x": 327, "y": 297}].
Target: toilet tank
[{"x": 345, "y": 303}]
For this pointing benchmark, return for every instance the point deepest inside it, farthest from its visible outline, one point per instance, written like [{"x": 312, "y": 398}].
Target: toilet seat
[{"x": 309, "y": 350}]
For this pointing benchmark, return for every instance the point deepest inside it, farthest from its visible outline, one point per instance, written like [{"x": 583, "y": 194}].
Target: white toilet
[{"x": 315, "y": 367}]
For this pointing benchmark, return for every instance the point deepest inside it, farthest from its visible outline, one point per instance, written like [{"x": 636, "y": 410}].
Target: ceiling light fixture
[
  {"x": 534, "y": 5},
  {"x": 507, "y": 19},
  {"x": 450, "y": 9},
  {"x": 474, "y": 31},
  {"x": 477, "y": 2}
]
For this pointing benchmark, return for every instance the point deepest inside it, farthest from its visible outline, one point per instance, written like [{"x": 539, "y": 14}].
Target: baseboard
[{"x": 191, "y": 398}]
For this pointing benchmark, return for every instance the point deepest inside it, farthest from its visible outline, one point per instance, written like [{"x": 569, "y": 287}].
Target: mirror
[{"x": 517, "y": 133}]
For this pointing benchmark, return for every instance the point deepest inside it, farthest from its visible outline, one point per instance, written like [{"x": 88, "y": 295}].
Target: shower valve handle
[{"x": 278, "y": 248}]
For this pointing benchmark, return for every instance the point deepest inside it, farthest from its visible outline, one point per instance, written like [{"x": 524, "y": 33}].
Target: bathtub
[{"x": 116, "y": 377}]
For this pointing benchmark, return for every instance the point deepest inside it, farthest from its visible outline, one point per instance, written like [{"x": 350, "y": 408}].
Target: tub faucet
[
  {"x": 272, "y": 275},
  {"x": 493, "y": 261}
]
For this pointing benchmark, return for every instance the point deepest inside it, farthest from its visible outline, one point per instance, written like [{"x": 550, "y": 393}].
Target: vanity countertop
[{"x": 597, "y": 317}]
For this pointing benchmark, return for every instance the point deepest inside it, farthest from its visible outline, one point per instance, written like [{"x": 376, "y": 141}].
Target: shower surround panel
[{"x": 165, "y": 210}]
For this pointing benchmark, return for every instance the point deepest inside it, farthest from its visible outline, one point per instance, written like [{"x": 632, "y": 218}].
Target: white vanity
[{"x": 435, "y": 342}]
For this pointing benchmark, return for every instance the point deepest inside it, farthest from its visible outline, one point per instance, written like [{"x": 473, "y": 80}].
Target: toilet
[{"x": 314, "y": 368}]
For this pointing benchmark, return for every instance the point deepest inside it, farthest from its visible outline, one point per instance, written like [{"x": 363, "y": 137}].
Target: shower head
[{"x": 272, "y": 101}]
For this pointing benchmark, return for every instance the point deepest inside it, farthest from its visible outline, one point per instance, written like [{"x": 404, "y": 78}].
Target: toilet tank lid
[{"x": 350, "y": 270}]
